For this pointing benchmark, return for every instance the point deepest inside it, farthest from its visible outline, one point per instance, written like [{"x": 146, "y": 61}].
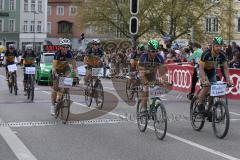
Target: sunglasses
[{"x": 66, "y": 47}]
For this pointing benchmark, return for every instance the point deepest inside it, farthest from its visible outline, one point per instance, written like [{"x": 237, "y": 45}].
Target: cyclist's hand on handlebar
[
  {"x": 205, "y": 83},
  {"x": 230, "y": 83}
]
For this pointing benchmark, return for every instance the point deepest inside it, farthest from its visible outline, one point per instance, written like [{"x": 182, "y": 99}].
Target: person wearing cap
[{"x": 9, "y": 58}]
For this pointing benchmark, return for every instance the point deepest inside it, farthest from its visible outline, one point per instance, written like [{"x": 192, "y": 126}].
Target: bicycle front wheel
[
  {"x": 197, "y": 119},
  {"x": 220, "y": 119},
  {"x": 65, "y": 108},
  {"x": 32, "y": 87},
  {"x": 15, "y": 83},
  {"x": 10, "y": 84},
  {"x": 99, "y": 95},
  {"x": 142, "y": 117},
  {"x": 129, "y": 89},
  {"x": 88, "y": 94},
  {"x": 160, "y": 121}
]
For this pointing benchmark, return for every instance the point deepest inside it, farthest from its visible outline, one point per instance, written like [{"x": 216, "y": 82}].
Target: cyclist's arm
[
  {"x": 143, "y": 75},
  {"x": 226, "y": 71},
  {"x": 202, "y": 72}
]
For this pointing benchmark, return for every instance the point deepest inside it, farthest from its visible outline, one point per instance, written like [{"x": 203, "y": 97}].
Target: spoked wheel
[
  {"x": 32, "y": 88},
  {"x": 58, "y": 106},
  {"x": 220, "y": 119},
  {"x": 160, "y": 121},
  {"x": 197, "y": 119},
  {"x": 88, "y": 94},
  {"x": 129, "y": 89},
  {"x": 10, "y": 84},
  {"x": 65, "y": 108},
  {"x": 15, "y": 84},
  {"x": 142, "y": 118},
  {"x": 99, "y": 95}
]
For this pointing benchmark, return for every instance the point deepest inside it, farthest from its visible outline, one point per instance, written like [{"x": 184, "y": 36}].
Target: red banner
[
  {"x": 51, "y": 48},
  {"x": 181, "y": 77}
]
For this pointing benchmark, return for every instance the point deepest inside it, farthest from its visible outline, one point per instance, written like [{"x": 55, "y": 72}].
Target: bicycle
[
  {"x": 216, "y": 110},
  {"x": 94, "y": 89},
  {"x": 133, "y": 85},
  {"x": 155, "y": 111},
  {"x": 30, "y": 80},
  {"x": 63, "y": 98},
  {"x": 12, "y": 78}
]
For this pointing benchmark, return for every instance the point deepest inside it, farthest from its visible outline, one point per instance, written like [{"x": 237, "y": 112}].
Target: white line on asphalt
[
  {"x": 16, "y": 145},
  {"x": 234, "y": 113},
  {"x": 235, "y": 119}
]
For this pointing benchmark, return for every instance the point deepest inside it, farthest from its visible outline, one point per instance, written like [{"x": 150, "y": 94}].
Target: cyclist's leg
[
  {"x": 87, "y": 76},
  {"x": 7, "y": 76},
  {"x": 54, "y": 95}
]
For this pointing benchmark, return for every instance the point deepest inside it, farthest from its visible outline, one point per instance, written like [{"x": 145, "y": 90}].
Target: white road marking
[
  {"x": 16, "y": 145},
  {"x": 234, "y": 113}
]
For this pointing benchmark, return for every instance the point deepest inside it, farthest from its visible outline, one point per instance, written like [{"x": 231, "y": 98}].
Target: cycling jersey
[
  {"x": 62, "y": 60},
  {"x": 29, "y": 58},
  {"x": 10, "y": 57},
  {"x": 93, "y": 57},
  {"x": 135, "y": 55}
]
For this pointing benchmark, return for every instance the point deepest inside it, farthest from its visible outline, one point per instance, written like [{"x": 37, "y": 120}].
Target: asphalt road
[{"x": 29, "y": 132}]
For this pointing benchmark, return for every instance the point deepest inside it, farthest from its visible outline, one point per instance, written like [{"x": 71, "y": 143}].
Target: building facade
[
  {"x": 23, "y": 22},
  {"x": 61, "y": 22}
]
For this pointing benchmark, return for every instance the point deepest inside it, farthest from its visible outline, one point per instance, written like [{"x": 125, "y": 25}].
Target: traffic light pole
[{"x": 133, "y": 25}]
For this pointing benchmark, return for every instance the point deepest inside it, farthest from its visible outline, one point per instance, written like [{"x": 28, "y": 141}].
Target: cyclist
[
  {"x": 195, "y": 57},
  {"x": 9, "y": 57},
  {"x": 61, "y": 65},
  {"x": 135, "y": 56},
  {"x": 28, "y": 58},
  {"x": 93, "y": 59},
  {"x": 210, "y": 59},
  {"x": 149, "y": 67}
]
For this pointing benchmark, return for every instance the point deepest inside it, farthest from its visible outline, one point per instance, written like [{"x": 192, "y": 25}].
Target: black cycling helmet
[
  {"x": 218, "y": 41},
  {"x": 141, "y": 47}
]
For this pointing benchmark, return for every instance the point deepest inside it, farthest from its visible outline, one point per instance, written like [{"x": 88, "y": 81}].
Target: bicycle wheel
[
  {"x": 142, "y": 118},
  {"x": 65, "y": 107},
  {"x": 197, "y": 120},
  {"x": 99, "y": 95},
  {"x": 15, "y": 83},
  {"x": 88, "y": 94},
  {"x": 220, "y": 119},
  {"x": 32, "y": 81},
  {"x": 160, "y": 121},
  {"x": 58, "y": 106},
  {"x": 10, "y": 85},
  {"x": 28, "y": 87},
  {"x": 129, "y": 90}
]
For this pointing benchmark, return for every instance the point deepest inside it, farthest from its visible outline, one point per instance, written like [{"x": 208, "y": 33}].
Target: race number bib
[
  {"x": 82, "y": 70},
  {"x": 97, "y": 72},
  {"x": 65, "y": 82},
  {"x": 218, "y": 90},
  {"x": 30, "y": 70},
  {"x": 12, "y": 68}
]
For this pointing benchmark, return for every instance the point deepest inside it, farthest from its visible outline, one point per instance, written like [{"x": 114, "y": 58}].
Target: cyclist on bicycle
[
  {"x": 135, "y": 56},
  {"x": 28, "y": 58},
  {"x": 9, "y": 57},
  {"x": 210, "y": 59},
  {"x": 61, "y": 65},
  {"x": 93, "y": 59},
  {"x": 149, "y": 67}
]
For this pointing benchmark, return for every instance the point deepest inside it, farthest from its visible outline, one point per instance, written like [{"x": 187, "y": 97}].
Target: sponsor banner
[{"x": 181, "y": 77}]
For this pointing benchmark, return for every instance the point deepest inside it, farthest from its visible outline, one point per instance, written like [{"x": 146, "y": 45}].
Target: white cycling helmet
[
  {"x": 29, "y": 47},
  {"x": 95, "y": 41},
  {"x": 65, "y": 41}
]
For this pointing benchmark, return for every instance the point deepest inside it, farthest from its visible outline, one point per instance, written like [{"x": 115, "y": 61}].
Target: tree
[{"x": 166, "y": 17}]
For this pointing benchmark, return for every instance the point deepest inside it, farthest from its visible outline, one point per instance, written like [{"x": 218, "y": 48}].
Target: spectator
[
  {"x": 229, "y": 53},
  {"x": 235, "y": 63}
]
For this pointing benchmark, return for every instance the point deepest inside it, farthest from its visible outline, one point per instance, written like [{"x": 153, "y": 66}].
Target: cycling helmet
[
  {"x": 95, "y": 41},
  {"x": 141, "y": 47},
  {"x": 12, "y": 46},
  {"x": 218, "y": 41},
  {"x": 65, "y": 41},
  {"x": 29, "y": 47},
  {"x": 153, "y": 45}
]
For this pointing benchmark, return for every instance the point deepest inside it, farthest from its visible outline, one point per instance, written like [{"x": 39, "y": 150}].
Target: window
[
  {"x": 60, "y": 10},
  {"x": 40, "y": 6},
  {"x": 25, "y": 26},
  {"x": 11, "y": 25},
  {"x": 64, "y": 27},
  {"x": 32, "y": 26},
  {"x": 49, "y": 27},
  {"x": 238, "y": 24},
  {"x": 12, "y": 5},
  {"x": 1, "y": 4},
  {"x": 72, "y": 11},
  {"x": 39, "y": 26},
  {"x": 33, "y": 5},
  {"x": 25, "y": 5},
  {"x": 1, "y": 25},
  {"x": 49, "y": 10},
  {"x": 211, "y": 24}
]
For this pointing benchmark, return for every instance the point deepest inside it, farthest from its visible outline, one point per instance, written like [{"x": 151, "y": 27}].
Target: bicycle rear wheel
[
  {"x": 197, "y": 119},
  {"x": 88, "y": 93},
  {"x": 99, "y": 95},
  {"x": 32, "y": 87},
  {"x": 129, "y": 90},
  {"x": 142, "y": 118},
  {"x": 15, "y": 83},
  {"x": 65, "y": 107},
  {"x": 160, "y": 121},
  {"x": 220, "y": 119}
]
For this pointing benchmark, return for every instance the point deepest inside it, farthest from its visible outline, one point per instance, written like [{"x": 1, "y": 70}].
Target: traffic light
[
  {"x": 134, "y": 7},
  {"x": 133, "y": 27},
  {"x": 82, "y": 36}
]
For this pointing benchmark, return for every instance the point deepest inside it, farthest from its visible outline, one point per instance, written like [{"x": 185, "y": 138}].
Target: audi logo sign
[{"x": 181, "y": 77}]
